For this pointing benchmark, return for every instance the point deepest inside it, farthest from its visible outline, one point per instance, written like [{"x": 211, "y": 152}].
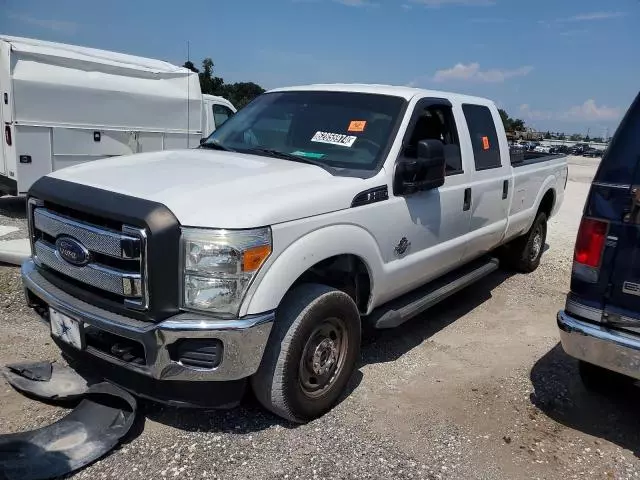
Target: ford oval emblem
[{"x": 72, "y": 251}]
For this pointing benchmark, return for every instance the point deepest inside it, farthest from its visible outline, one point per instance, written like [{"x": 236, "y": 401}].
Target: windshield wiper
[
  {"x": 284, "y": 155},
  {"x": 216, "y": 146}
]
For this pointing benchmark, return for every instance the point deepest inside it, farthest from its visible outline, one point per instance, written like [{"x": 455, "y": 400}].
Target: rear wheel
[
  {"x": 311, "y": 354},
  {"x": 524, "y": 253}
]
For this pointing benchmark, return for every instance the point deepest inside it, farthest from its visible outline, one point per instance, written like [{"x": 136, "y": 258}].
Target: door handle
[
  {"x": 505, "y": 189},
  {"x": 467, "y": 199}
]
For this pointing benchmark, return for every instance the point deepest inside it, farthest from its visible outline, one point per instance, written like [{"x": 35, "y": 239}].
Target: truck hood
[{"x": 205, "y": 188}]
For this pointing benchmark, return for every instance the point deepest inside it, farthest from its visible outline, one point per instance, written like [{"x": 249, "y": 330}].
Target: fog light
[{"x": 197, "y": 352}]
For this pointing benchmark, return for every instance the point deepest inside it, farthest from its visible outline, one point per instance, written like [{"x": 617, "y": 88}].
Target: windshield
[{"x": 332, "y": 129}]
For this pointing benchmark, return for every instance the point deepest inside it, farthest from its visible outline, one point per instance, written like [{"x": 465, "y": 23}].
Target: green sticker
[{"x": 308, "y": 154}]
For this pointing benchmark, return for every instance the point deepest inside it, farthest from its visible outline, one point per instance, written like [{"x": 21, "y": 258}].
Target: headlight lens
[{"x": 218, "y": 266}]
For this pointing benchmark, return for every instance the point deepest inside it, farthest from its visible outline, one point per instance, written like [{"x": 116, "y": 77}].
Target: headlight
[{"x": 219, "y": 265}]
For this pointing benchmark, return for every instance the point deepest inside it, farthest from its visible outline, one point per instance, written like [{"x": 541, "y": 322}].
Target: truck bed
[{"x": 521, "y": 158}]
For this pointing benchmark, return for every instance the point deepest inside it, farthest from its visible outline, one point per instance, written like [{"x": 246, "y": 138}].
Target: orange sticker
[
  {"x": 357, "y": 126},
  {"x": 485, "y": 143}
]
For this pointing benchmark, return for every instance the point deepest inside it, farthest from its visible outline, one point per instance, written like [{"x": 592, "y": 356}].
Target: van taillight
[
  {"x": 592, "y": 237},
  {"x": 7, "y": 135}
]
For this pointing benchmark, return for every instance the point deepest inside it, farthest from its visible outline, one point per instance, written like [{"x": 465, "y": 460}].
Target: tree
[
  {"x": 547, "y": 136},
  {"x": 587, "y": 139},
  {"x": 189, "y": 65},
  {"x": 576, "y": 137},
  {"x": 239, "y": 93},
  {"x": 597, "y": 139},
  {"x": 208, "y": 83},
  {"x": 511, "y": 124},
  {"x": 517, "y": 124}
]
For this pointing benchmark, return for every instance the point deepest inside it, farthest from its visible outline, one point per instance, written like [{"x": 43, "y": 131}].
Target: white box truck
[{"x": 61, "y": 105}]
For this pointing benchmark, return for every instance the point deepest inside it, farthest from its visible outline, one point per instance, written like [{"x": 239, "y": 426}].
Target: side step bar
[{"x": 414, "y": 303}]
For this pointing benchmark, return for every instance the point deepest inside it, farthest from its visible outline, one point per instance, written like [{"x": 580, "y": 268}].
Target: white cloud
[
  {"x": 473, "y": 73},
  {"x": 488, "y": 20},
  {"x": 589, "y": 111},
  {"x": 573, "y": 33},
  {"x": 356, "y": 3},
  {"x": 59, "y": 26},
  {"x": 528, "y": 114},
  {"x": 441, "y": 3},
  {"x": 406, "y": 6},
  {"x": 586, "y": 17}
]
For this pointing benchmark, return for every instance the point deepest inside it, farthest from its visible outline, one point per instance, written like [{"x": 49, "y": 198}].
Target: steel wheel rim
[
  {"x": 323, "y": 357},
  {"x": 536, "y": 246}
]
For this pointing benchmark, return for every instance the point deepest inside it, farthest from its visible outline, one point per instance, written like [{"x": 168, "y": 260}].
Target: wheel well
[
  {"x": 547, "y": 203},
  {"x": 345, "y": 272}
]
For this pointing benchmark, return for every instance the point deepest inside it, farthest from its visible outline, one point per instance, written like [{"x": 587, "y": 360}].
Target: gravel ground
[{"x": 478, "y": 388}]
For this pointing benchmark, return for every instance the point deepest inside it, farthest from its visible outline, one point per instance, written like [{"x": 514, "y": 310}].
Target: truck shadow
[
  {"x": 381, "y": 346},
  {"x": 559, "y": 394},
  {"x": 248, "y": 417},
  {"x": 378, "y": 346}
]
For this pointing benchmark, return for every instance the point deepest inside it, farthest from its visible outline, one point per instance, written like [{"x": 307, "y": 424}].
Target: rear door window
[{"x": 484, "y": 138}]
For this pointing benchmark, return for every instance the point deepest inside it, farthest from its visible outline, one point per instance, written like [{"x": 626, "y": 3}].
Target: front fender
[{"x": 307, "y": 251}]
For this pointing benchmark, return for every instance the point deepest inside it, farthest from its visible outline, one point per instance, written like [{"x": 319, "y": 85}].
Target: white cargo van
[{"x": 61, "y": 105}]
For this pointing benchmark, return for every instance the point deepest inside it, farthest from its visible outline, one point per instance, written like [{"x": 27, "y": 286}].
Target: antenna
[{"x": 188, "y": 96}]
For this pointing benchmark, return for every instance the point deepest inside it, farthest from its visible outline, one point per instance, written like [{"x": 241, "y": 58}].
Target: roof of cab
[{"x": 405, "y": 92}]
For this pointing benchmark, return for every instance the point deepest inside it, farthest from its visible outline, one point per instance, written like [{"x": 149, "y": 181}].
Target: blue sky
[{"x": 567, "y": 65}]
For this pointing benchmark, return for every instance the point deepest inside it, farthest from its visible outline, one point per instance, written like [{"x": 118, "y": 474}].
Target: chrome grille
[
  {"x": 117, "y": 264},
  {"x": 95, "y": 239},
  {"x": 104, "y": 278}
]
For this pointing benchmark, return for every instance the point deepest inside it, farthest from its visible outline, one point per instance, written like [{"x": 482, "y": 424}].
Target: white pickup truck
[{"x": 258, "y": 257}]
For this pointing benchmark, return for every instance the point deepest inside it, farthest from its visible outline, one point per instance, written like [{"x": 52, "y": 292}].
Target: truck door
[
  {"x": 610, "y": 229},
  {"x": 490, "y": 181},
  {"x": 423, "y": 234}
]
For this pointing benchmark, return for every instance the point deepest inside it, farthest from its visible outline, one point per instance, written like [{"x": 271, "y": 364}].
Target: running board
[{"x": 414, "y": 303}]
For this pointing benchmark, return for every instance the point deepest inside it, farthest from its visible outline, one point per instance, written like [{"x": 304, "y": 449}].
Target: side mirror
[
  {"x": 202, "y": 140},
  {"x": 424, "y": 173}
]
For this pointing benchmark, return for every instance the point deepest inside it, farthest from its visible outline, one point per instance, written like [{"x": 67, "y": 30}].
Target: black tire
[
  {"x": 524, "y": 253},
  {"x": 601, "y": 380},
  {"x": 284, "y": 384}
]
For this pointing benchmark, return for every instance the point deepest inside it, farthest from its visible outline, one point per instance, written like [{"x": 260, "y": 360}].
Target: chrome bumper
[
  {"x": 596, "y": 344},
  {"x": 243, "y": 340}
]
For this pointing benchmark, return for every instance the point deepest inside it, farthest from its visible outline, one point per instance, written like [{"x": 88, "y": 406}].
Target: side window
[
  {"x": 486, "y": 150},
  {"x": 436, "y": 122},
  {"x": 221, "y": 114}
]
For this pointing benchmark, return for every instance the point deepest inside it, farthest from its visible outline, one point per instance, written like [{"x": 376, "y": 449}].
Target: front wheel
[{"x": 311, "y": 354}]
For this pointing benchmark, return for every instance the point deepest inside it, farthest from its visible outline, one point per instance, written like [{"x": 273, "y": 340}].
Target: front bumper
[
  {"x": 243, "y": 340},
  {"x": 596, "y": 344}
]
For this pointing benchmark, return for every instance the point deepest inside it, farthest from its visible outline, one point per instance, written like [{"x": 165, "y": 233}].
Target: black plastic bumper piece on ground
[
  {"x": 91, "y": 430},
  {"x": 47, "y": 380},
  {"x": 196, "y": 394}
]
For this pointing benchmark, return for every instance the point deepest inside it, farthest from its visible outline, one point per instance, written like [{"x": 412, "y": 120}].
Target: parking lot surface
[{"x": 476, "y": 388}]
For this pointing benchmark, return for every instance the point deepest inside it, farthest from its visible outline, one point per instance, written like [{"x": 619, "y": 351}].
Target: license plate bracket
[{"x": 67, "y": 329}]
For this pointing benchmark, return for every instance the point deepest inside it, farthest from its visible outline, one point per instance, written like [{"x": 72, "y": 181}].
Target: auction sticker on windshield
[{"x": 334, "y": 139}]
